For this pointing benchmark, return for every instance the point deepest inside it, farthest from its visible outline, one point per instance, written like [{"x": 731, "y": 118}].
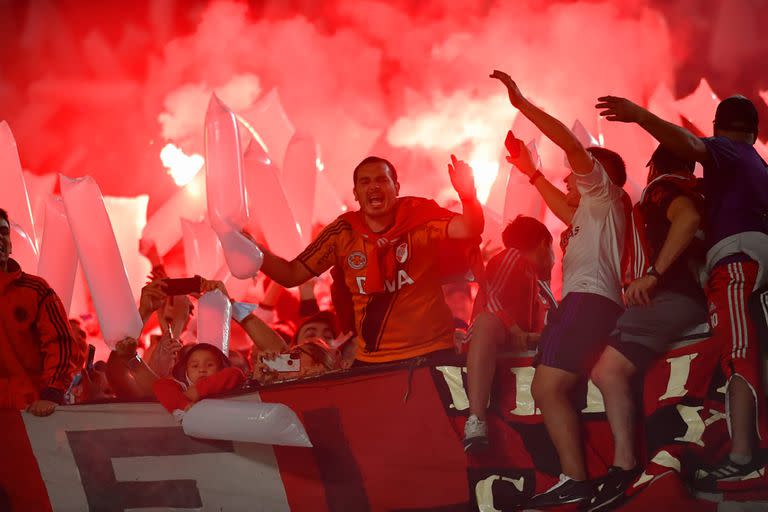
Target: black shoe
[
  {"x": 564, "y": 492},
  {"x": 612, "y": 490},
  {"x": 726, "y": 471}
]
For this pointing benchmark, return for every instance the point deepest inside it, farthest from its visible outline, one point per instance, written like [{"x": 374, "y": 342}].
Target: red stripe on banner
[
  {"x": 385, "y": 453},
  {"x": 21, "y": 485}
]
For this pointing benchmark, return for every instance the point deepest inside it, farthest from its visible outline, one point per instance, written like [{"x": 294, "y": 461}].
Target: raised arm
[
  {"x": 471, "y": 222},
  {"x": 266, "y": 339},
  {"x": 684, "y": 221},
  {"x": 581, "y": 161},
  {"x": 676, "y": 138},
  {"x": 521, "y": 158}
]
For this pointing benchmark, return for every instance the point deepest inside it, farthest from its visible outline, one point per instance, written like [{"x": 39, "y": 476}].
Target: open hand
[
  {"x": 515, "y": 96},
  {"x": 462, "y": 178},
  {"x": 614, "y": 108}
]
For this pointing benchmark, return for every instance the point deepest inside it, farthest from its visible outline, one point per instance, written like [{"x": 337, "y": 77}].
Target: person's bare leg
[
  {"x": 613, "y": 375},
  {"x": 487, "y": 333},
  {"x": 742, "y": 411},
  {"x": 551, "y": 389}
]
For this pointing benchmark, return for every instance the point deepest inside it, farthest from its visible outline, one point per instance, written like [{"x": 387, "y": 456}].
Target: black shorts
[{"x": 577, "y": 332}]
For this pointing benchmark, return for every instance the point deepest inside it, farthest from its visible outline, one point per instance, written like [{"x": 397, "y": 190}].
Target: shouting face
[{"x": 375, "y": 190}]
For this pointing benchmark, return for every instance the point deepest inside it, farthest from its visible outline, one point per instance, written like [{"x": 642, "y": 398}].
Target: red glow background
[{"x": 99, "y": 88}]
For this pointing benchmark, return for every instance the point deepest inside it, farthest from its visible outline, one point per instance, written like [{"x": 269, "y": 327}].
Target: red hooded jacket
[{"x": 38, "y": 354}]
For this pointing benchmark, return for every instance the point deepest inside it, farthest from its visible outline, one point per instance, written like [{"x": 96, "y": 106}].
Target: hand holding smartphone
[{"x": 284, "y": 362}]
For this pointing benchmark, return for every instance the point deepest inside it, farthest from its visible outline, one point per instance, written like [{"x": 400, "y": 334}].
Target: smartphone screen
[{"x": 185, "y": 286}]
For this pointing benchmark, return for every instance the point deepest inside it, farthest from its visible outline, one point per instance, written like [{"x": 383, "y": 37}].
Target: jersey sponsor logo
[
  {"x": 401, "y": 253},
  {"x": 402, "y": 279},
  {"x": 566, "y": 236},
  {"x": 357, "y": 260}
]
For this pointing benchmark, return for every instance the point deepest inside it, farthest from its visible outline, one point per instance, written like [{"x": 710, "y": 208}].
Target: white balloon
[
  {"x": 13, "y": 193},
  {"x": 227, "y": 203},
  {"x": 243, "y": 258},
  {"x": 254, "y": 422},
  {"x": 213, "y": 318},
  {"x": 202, "y": 250},
  {"x": 100, "y": 257},
  {"x": 300, "y": 174},
  {"x": 58, "y": 255},
  {"x": 270, "y": 204}
]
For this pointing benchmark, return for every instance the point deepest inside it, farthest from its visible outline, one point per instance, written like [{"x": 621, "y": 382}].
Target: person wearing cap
[
  {"x": 736, "y": 217},
  {"x": 664, "y": 300}
]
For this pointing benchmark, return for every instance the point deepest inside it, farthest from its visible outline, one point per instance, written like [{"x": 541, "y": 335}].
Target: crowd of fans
[{"x": 408, "y": 283}]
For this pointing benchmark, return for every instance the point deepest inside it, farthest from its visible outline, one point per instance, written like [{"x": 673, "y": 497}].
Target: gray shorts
[{"x": 646, "y": 331}]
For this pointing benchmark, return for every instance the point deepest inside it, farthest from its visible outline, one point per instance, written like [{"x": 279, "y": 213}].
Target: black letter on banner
[
  {"x": 95, "y": 449},
  {"x": 341, "y": 476}
]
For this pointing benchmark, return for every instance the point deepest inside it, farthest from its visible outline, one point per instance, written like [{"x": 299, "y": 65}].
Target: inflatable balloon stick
[
  {"x": 699, "y": 107},
  {"x": 587, "y": 139},
  {"x": 214, "y": 312},
  {"x": 13, "y": 194},
  {"x": 100, "y": 257},
  {"x": 164, "y": 227},
  {"x": 58, "y": 255},
  {"x": 300, "y": 173},
  {"x": 268, "y": 118},
  {"x": 328, "y": 204},
  {"x": 202, "y": 250},
  {"x": 235, "y": 420},
  {"x": 225, "y": 187},
  {"x": 24, "y": 248},
  {"x": 270, "y": 204},
  {"x": 128, "y": 216},
  {"x": 243, "y": 257}
]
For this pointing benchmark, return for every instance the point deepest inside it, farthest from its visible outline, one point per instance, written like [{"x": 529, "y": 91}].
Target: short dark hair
[
  {"x": 666, "y": 161},
  {"x": 525, "y": 233},
  {"x": 375, "y": 160},
  {"x": 612, "y": 163},
  {"x": 4, "y": 216},
  {"x": 736, "y": 113}
]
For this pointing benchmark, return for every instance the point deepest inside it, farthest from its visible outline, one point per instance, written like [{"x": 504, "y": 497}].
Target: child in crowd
[{"x": 202, "y": 371}]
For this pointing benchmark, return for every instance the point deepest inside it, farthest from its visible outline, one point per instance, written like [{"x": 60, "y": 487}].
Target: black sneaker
[
  {"x": 564, "y": 492},
  {"x": 726, "y": 471},
  {"x": 613, "y": 487}
]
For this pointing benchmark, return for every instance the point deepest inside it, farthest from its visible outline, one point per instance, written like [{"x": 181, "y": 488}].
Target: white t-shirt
[{"x": 595, "y": 238}]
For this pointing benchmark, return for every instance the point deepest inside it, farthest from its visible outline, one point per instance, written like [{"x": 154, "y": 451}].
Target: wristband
[
  {"x": 534, "y": 177},
  {"x": 240, "y": 310},
  {"x": 653, "y": 272}
]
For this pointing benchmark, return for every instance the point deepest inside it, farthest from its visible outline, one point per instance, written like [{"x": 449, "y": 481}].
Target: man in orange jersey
[
  {"x": 38, "y": 354},
  {"x": 388, "y": 252}
]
